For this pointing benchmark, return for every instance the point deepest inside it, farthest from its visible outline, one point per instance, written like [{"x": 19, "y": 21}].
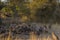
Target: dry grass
[{"x": 32, "y": 37}]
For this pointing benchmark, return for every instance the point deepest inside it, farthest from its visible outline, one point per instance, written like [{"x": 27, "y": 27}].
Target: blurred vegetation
[{"x": 44, "y": 11}]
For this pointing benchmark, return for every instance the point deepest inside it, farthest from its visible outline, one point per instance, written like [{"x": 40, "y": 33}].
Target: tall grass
[
  {"x": 32, "y": 36},
  {"x": 9, "y": 36}
]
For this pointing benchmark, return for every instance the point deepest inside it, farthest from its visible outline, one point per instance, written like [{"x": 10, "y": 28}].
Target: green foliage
[
  {"x": 7, "y": 10},
  {"x": 37, "y": 11}
]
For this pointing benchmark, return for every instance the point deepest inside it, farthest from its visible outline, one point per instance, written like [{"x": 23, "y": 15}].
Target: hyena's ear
[{"x": 54, "y": 36}]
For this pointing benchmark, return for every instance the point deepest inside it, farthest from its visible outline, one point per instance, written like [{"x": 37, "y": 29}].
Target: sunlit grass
[
  {"x": 9, "y": 36},
  {"x": 32, "y": 36}
]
